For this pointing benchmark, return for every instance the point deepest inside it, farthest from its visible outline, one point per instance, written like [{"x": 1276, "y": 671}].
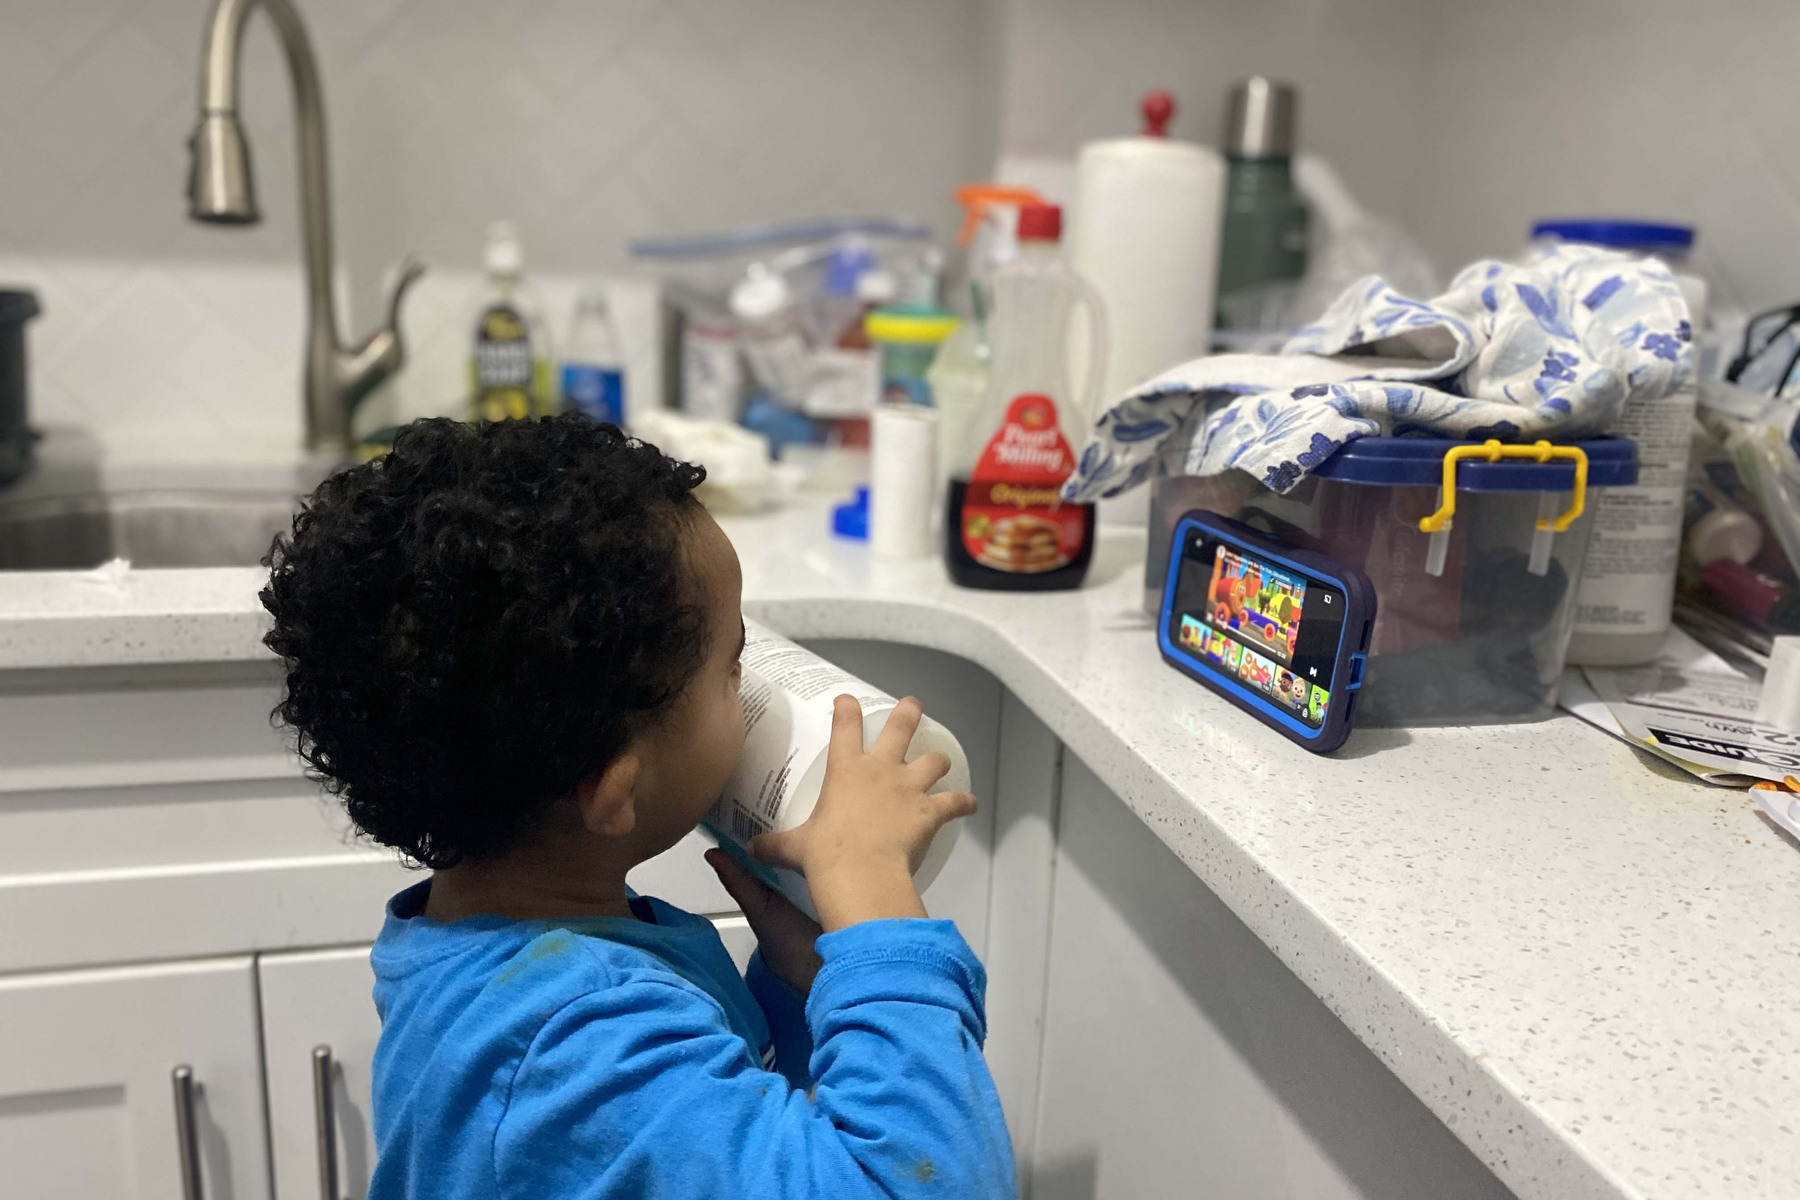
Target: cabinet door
[
  {"x": 313, "y": 999},
  {"x": 87, "y": 1105},
  {"x": 1182, "y": 1058}
]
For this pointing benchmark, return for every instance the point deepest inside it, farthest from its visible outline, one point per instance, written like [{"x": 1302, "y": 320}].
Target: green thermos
[{"x": 1263, "y": 242}]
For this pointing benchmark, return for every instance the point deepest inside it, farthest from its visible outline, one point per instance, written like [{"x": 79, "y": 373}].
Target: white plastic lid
[
  {"x": 760, "y": 295},
  {"x": 876, "y": 286},
  {"x": 504, "y": 254},
  {"x": 1725, "y": 533}
]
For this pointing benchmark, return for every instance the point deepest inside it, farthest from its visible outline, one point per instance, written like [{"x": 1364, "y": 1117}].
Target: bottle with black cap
[{"x": 1263, "y": 245}]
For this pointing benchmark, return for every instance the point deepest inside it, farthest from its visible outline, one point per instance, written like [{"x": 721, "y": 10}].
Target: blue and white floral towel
[{"x": 1552, "y": 346}]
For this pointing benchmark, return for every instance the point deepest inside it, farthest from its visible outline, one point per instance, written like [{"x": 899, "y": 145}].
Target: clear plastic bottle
[
  {"x": 1006, "y": 526},
  {"x": 509, "y": 364},
  {"x": 593, "y": 370}
]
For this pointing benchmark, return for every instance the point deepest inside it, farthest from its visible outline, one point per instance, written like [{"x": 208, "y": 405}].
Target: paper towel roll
[
  {"x": 1145, "y": 233},
  {"x": 902, "y": 479}
]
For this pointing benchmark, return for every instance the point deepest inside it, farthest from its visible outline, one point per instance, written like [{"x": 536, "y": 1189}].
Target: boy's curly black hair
[{"x": 472, "y": 623}]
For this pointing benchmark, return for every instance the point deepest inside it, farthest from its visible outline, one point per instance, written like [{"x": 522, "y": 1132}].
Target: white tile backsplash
[
  {"x": 1660, "y": 108},
  {"x": 593, "y": 121},
  {"x": 588, "y": 122}
]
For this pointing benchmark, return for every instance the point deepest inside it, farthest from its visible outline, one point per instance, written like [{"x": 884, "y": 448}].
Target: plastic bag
[
  {"x": 1762, "y": 435},
  {"x": 793, "y": 296},
  {"x": 1349, "y": 243}
]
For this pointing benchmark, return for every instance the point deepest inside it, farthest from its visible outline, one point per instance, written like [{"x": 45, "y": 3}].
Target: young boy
[{"x": 512, "y": 650}]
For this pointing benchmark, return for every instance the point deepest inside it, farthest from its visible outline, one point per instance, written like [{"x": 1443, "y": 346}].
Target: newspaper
[{"x": 1690, "y": 707}]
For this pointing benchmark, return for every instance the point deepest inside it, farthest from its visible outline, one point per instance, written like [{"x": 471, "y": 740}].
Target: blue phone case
[{"x": 1353, "y": 641}]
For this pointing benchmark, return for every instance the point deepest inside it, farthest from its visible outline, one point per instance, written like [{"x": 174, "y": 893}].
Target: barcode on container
[{"x": 745, "y": 825}]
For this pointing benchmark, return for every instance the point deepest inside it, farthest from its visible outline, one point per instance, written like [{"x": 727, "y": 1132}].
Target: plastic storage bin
[{"x": 1473, "y": 620}]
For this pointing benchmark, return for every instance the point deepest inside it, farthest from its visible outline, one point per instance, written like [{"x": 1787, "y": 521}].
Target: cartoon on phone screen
[{"x": 1256, "y": 603}]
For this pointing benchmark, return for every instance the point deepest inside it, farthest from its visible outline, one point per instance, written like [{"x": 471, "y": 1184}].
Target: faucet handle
[
  {"x": 410, "y": 270},
  {"x": 382, "y": 353}
]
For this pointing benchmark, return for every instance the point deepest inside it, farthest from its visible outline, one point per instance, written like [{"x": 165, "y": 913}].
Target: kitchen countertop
[{"x": 1587, "y": 966}]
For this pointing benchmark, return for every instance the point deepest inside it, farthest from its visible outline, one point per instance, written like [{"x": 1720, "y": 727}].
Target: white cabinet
[
  {"x": 312, "y": 1001},
  {"x": 1182, "y": 1058},
  {"x": 87, "y": 1108}
]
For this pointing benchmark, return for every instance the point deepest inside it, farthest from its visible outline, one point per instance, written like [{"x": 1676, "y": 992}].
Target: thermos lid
[{"x": 1261, "y": 124}]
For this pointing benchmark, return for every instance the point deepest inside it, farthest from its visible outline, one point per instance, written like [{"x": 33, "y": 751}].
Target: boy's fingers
[
  {"x": 751, "y": 893},
  {"x": 846, "y": 729},
  {"x": 778, "y": 849},
  {"x": 951, "y": 805},
  {"x": 767, "y": 910},
  {"x": 897, "y": 735},
  {"x": 928, "y": 768}
]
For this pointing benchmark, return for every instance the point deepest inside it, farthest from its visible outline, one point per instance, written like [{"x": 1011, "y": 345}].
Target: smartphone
[{"x": 1280, "y": 632}]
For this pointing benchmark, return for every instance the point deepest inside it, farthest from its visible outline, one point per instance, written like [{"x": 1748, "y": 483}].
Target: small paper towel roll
[
  {"x": 902, "y": 479},
  {"x": 1146, "y": 235},
  {"x": 1780, "y": 702}
]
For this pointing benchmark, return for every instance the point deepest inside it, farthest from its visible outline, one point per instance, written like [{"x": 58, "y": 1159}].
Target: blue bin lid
[
  {"x": 1419, "y": 462},
  {"x": 1648, "y": 236}
]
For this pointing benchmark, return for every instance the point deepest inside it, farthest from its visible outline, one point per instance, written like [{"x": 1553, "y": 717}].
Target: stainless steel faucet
[{"x": 220, "y": 190}]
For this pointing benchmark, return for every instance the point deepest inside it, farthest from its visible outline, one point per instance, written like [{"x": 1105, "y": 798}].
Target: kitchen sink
[{"x": 150, "y": 528}]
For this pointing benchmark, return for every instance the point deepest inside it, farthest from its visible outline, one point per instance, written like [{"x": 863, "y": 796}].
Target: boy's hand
[
  {"x": 873, "y": 823},
  {"x": 783, "y": 933}
]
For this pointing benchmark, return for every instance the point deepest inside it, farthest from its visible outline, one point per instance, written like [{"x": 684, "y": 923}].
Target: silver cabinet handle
[
  {"x": 325, "y": 1123},
  {"x": 187, "y": 1132}
]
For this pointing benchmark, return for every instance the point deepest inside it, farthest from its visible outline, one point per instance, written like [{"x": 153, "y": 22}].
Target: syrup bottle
[{"x": 1006, "y": 525}]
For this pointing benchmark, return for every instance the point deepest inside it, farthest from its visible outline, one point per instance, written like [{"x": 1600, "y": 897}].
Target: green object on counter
[
  {"x": 1264, "y": 236},
  {"x": 908, "y": 339}
]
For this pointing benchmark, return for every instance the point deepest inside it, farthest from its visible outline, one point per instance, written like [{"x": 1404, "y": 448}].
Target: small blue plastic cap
[
  {"x": 851, "y": 518},
  {"x": 845, "y": 266},
  {"x": 1646, "y": 236}
]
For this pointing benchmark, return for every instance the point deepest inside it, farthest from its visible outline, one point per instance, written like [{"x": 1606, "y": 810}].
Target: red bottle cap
[
  {"x": 1158, "y": 108},
  {"x": 1040, "y": 223}
]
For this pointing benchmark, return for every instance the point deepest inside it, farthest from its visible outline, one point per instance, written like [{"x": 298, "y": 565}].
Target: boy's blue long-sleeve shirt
[{"x": 619, "y": 1058}]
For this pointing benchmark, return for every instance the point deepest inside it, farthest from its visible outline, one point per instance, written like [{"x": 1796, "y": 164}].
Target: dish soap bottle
[
  {"x": 1006, "y": 525},
  {"x": 593, "y": 373},
  {"x": 509, "y": 367}
]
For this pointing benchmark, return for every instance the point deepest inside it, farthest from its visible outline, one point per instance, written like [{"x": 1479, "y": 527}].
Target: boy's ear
[{"x": 607, "y": 798}]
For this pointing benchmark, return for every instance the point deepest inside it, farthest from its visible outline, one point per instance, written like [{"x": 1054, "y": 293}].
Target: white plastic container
[
  {"x": 1779, "y": 704},
  {"x": 1627, "y": 589},
  {"x": 593, "y": 369},
  {"x": 1627, "y": 595},
  {"x": 787, "y": 694},
  {"x": 902, "y": 480}
]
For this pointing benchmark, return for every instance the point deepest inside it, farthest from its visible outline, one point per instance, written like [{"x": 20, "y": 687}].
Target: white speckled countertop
[{"x": 1587, "y": 967}]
